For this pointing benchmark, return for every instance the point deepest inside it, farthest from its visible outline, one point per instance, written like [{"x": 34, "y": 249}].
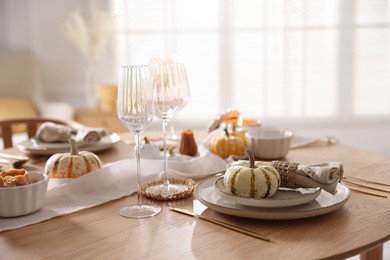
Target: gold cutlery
[
  {"x": 15, "y": 161},
  {"x": 364, "y": 180},
  {"x": 367, "y": 192},
  {"x": 365, "y": 185},
  {"x": 11, "y": 156},
  {"x": 223, "y": 224},
  {"x": 361, "y": 183}
]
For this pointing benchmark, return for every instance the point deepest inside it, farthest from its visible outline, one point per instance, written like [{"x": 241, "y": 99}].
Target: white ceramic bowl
[
  {"x": 22, "y": 200},
  {"x": 267, "y": 143}
]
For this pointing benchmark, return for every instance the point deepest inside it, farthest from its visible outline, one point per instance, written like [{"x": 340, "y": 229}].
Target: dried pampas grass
[{"x": 89, "y": 35}]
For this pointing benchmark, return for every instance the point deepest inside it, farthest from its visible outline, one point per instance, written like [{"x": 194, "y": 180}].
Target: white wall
[{"x": 37, "y": 26}]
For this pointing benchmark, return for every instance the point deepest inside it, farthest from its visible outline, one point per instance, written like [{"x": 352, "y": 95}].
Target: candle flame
[{"x": 239, "y": 121}]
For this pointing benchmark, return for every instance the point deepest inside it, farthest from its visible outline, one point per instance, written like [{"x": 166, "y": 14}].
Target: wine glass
[
  {"x": 171, "y": 93},
  {"x": 135, "y": 111}
]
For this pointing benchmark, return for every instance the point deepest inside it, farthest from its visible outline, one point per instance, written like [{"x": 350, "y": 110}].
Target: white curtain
[{"x": 297, "y": 60}]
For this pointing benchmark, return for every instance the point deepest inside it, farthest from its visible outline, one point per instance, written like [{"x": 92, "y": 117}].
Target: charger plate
[
  {"x": 323, "y": 204},
  {"x": 284, "y": 197}
]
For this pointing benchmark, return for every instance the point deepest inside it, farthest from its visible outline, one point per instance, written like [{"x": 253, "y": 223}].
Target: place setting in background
[{"x": 54, "y": 138}]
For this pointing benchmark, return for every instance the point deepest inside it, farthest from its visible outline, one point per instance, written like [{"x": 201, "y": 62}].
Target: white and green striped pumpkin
[
  {"x": 73, "y": 164},
  {"x": 251, "y": 179}
]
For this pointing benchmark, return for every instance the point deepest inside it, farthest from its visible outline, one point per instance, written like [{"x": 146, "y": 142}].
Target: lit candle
[
  {"x": 239, "y": 121},
  {"x": 241, "y": 134}
]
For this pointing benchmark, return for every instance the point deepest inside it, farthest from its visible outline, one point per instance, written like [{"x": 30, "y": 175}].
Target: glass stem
[
  {"x": 137, "y": 137},
  {"x": 164, "y": 128}
]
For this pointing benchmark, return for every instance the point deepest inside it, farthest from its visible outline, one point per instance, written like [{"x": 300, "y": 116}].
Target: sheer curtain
[{"x": 270, "y": 59}]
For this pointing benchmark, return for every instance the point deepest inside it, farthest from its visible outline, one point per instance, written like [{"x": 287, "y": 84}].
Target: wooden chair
[{"x": 29, "y": 126}]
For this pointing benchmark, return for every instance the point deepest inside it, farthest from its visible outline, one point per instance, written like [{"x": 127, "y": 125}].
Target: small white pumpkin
[
  {"x": 149, "y": 150},
  {"x": 73, "y": 164},
  {"x": 251, "y": 179}
]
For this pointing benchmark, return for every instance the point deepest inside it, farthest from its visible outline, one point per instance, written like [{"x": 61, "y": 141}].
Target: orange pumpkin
[
  {"x": 227, "y": 145},
  {"x": 239, "y": 134}
]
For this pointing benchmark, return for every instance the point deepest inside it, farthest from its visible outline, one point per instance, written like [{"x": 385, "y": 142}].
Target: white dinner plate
[
  {"x": 52, "y": 146},
  {"x": 284, "y": 197},
  {"x": 31, "y": 146},
  {"x": 323, "y": 204}
]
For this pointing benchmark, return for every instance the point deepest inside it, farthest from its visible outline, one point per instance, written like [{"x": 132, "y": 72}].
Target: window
[{"x": 269, "y": 59}]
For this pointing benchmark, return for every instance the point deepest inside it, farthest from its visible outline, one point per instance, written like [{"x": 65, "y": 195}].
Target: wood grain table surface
[{"x": 361, "y": 226}]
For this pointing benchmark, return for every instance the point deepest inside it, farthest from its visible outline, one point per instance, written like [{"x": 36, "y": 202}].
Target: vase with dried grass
[{"x": 89, "y": 31}]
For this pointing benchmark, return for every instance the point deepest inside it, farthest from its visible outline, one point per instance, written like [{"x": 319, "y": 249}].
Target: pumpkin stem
[
  {"x": 146, "y": 140},
  {"x": 226, "y": 132},
  {"x": 73, "y": 147},
  {"x": 171, "y": 152},
  {"x": 251, "y": 159}
]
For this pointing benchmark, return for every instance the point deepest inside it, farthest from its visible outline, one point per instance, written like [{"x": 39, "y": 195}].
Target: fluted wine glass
[
  {"x": 135, "y": 110},
  {"x": 171, "y": 93}
]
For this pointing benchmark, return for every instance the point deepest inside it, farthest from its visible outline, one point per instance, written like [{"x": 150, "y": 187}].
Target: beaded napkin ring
[{"x": 287, "y": 173}]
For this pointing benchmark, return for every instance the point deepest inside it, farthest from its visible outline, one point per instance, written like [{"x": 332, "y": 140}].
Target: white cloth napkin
[
  {"x": 114, "y": 181},
  {"x": 90, "y": 135},
  {"x": 50, "y": 132},
  {"x": 325, "y": 175}
]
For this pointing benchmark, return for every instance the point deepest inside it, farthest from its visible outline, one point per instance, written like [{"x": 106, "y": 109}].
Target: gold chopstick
[
  {"x": 367, "y": 192},
  {"x": 365, "y": 185},
  {"x": 222, "y": 224},
  {"x": 368, "y": 181}
]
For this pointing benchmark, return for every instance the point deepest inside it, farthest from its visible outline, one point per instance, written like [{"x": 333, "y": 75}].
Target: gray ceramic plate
[
  {"x": 33, "y": 147},
  {"x": 282, "y": 198}
]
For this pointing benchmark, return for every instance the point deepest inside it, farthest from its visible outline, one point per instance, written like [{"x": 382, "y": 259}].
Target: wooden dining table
[{"x": 361, "y": 226}]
